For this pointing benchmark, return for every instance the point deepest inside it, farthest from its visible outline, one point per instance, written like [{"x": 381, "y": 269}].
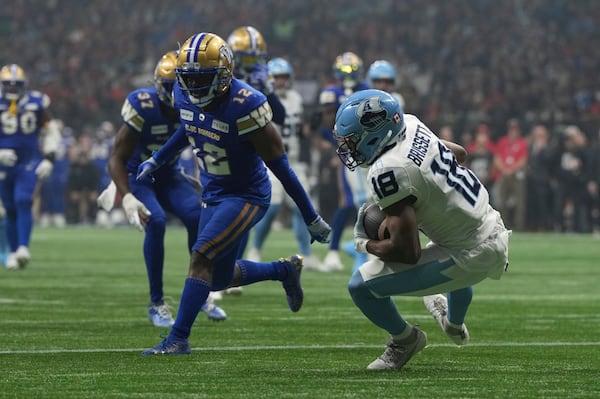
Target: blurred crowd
[{"x": 477, "y": 70}]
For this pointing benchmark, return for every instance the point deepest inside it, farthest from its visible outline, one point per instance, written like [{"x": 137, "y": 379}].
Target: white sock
[{"x": 404, "y": 334}]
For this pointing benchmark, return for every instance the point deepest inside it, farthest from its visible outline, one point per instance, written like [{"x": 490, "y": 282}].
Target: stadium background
[
  {"x": 73, "y": 322},
  {"x": 462, "y": 64}
]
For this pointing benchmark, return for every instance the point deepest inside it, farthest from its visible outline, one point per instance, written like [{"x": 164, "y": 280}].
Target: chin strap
[{"x": 12, "y": 109}]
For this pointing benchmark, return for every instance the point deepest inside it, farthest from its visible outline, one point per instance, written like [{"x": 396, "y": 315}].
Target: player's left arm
[
  {"x": 50, "y": 131},
  {"x": 267, "y": 142},
  {"x": 404, "y": 244},
  {"x": 459, "y": 151},
  {"x": 125, "y": 142},
  {"x": 50, "y": 137}
]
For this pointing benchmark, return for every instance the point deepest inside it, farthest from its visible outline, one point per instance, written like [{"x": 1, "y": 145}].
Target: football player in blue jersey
[
  {"x": 229, "y": 126},
  {"x": 148, "y": 121},
  {"x": 24, "y": 122},
  {"x": 250, "y": 57},
  {"x": 54, "y": 188},
  {"x": 348, "y": 70}
]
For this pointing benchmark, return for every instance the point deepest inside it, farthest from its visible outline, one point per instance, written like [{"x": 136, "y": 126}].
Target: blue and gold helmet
[
  {"x": 165, "y": 77},
  {"x": 249, "y": 48},
  {"x": 13, "y": 82},
  {"x": 348, "y": 69},
  {"x": 204, "y": 68},
  {"x": 366, "y": 123}
]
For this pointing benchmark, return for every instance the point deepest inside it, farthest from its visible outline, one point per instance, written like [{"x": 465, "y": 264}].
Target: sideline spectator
[{"x": 510, "y": 160}]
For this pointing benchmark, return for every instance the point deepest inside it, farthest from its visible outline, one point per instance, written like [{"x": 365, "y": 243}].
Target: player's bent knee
[
  {"x": 157, "y": 223},
  {"x": 358, "y": 289}
]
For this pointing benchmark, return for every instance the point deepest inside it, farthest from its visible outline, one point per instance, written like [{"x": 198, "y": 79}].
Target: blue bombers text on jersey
[{"x": 229, "y": 165}]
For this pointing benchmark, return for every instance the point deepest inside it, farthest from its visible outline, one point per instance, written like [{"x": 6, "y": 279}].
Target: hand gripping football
[{"x": 375, "y": 223}]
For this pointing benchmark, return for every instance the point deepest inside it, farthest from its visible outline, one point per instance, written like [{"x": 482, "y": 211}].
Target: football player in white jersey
[
  {"x": 416, "y": 179},
  {"x": 382, "y": 76},
  {"x": 281, "y": 72}
]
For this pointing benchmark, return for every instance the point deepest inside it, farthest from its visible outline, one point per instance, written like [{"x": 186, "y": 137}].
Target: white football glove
[
  {"x": 8, "y": 157},
  {"x": 106, "y": 199},
  {"x": 360, "y": 235},
  {"x": 44, "y": 169},
  {"x": 133, "y": 208},
  {"x": 319, "y": 230}
]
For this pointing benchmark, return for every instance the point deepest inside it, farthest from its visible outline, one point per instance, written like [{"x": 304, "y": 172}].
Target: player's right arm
[
  {"x": 404, "y": 244},
  {"x": 125, "y": 143}
]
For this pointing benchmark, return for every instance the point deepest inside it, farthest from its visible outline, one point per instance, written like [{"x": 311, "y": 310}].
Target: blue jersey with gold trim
[
  {"x": 21, "y": 131},
  {"x": 337, "y": 94},
  {"x": 229, "y": 164},
  {"x": 141, "y": 111}
]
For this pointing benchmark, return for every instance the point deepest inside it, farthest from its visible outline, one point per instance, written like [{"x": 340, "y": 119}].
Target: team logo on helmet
[
  {"x": 226, "y": 52},
  {"x": 371, "y": 113}
]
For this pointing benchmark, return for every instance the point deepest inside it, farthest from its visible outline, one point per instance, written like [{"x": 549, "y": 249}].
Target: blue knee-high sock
[
  {"x": 194, "y": 295},
  {"x": 253, "y": 272},
  {"x": 458, "y": 304},
  {"x": 338, "y": 223},
  {"x": 24, "y": 222},
  {"x": 359, "y": 257},
  {"x": 154, "y": 255},
  {"x": 4, "y": 249},
  {"x": 301, "y": 232},
  {"x": 359, "y": 260},
  {"x": 11, "y": 229},
  {"x": 381, "y": 311},
  {"x": 263, "y": 227}
]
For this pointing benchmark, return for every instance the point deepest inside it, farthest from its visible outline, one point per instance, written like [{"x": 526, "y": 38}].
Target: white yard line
[{"x": 299, "y": 347}]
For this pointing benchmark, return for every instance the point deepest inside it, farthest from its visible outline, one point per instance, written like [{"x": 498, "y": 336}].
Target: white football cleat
[
  {"x": 11, "y": 261},
  {"x": 332, "y": 262},
  {"x": 253, "y": 255},
  {"x": 235, "y": 291},
  {"x": 311, "y": 262},
  {"x": 397, "y": 354},
  {"x": 437, "y": 305},
  {"x": 23, "y": 256}
]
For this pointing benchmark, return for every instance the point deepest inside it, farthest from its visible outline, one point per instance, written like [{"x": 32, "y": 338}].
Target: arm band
[{"x": 281, "y": 169}]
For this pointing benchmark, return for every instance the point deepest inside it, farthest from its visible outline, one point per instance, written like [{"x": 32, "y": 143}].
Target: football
[{"x": 374, "y": 223}]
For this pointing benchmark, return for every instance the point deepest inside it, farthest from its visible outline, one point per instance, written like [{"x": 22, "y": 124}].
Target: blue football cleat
[
  {"x": 160, "y": 315},
  {"x": 291, "y": 283},
  {"x": 213, "y": 312},
  {"x": 170, "y": 347}
]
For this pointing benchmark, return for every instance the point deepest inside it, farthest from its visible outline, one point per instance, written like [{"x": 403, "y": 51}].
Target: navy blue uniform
[
  {"x": 170, "y": 191},
  {"x": 21, "y": 132}
]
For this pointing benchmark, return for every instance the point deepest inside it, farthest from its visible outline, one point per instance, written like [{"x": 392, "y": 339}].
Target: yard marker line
[{"x": 297, "y": 347}]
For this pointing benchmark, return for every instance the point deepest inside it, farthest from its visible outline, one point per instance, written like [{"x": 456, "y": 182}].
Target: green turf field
[{"x": 74, "y": 322}]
